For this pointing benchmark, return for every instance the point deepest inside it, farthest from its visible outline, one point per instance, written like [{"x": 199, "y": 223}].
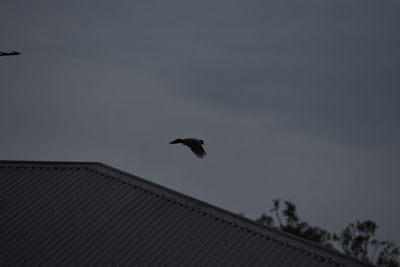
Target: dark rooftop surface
[{"x": 90, "y": 214}]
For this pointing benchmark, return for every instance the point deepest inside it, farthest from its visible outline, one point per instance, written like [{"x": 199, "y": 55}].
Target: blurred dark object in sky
[{"x": 12, "y": 53}]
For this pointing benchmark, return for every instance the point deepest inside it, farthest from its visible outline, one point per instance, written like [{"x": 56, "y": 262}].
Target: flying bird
[
  {"x": 11, "y": 53},
  {"x": 194, "y": 144}
]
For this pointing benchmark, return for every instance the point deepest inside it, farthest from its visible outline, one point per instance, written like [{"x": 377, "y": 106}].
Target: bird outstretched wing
[
  {"x": 194, "y": 144},
  {"x": 197, "y": 149},
  {"x": 12, "y": 53}
]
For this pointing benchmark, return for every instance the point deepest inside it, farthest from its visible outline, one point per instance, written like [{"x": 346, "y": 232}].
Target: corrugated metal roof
[{"x": 89, "y": 214}]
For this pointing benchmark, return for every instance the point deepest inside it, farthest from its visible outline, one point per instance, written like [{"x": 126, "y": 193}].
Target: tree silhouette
[{"x": 357, "y": 239}]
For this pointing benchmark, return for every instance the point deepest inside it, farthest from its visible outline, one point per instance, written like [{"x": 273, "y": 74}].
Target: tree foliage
[{"x": 357, "y": 239}]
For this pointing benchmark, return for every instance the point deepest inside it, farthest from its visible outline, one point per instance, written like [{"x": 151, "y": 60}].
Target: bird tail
[{"x": 176, "y": 141}]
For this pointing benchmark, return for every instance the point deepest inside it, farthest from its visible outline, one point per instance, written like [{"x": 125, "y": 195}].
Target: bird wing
[
  {"x": 197, "y": 149},
  {"x": 12, "y": 53}
]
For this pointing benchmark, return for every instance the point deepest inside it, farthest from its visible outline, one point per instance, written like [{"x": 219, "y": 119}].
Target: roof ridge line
[
  {"x": 94, "y": 166},
  {"x": 36, "y": 162},
  {"x": 248, "y": 220},
  {"x": 219, "y": 218}
]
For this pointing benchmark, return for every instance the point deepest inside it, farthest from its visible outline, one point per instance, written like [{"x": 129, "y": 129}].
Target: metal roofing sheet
[{"x": 89, "y": 214}]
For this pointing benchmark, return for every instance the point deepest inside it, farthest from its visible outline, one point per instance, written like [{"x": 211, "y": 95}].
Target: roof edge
[
  {"x": 241, "y": 219},
  {"x": 195, "y": 203},
  {"x": 36, "y": 162}
]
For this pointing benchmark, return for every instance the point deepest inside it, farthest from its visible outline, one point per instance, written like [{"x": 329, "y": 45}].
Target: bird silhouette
[
  {"x": 194, "y": 144},
  {"x": 11, "y": 53}
]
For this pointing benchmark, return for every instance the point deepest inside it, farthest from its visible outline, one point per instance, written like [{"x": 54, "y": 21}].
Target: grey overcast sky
[{"x": 294, "y": 99}]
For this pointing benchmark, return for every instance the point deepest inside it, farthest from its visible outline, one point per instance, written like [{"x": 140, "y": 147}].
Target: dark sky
[{"x": 294, "y": 99}]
